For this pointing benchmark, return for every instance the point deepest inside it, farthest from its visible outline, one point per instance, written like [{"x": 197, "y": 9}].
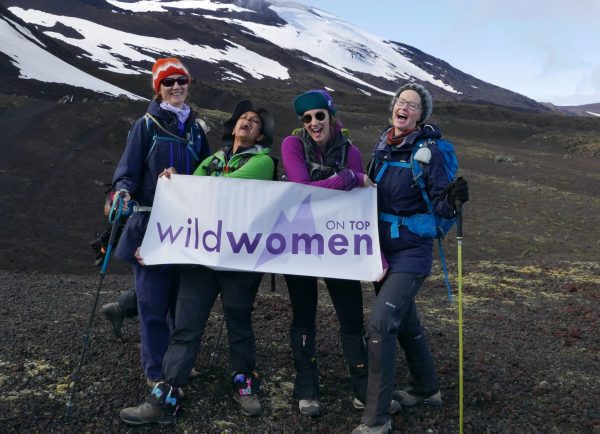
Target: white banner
[{"x": 274, "y": 227}]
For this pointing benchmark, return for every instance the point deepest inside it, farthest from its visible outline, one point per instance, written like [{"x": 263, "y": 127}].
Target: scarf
[
  {"x": 396, "y": 140},
  {"x": 181, "y": 113}
]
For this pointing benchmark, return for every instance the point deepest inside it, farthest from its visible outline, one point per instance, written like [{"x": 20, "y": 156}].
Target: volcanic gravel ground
[{"x": 531, "y": 357}]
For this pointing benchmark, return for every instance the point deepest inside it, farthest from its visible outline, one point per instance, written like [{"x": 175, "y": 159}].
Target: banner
[{"x": 274, "y": 227}]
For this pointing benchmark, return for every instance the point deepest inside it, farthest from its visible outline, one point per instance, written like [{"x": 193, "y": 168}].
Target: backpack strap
[
  {"x": 418, "y": 177},
  {"x": 164, "y": 130},
  {"x": 386, "y": 164},
  {"x": 151, "y": 120}
]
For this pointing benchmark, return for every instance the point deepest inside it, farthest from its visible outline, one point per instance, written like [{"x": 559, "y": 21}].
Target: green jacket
[{"x": 252, "y": 163}]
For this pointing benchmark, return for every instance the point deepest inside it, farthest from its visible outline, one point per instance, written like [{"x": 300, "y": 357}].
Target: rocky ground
[
  {"x": 531, "y": 284},
  {"x": 531, "y": 357}
]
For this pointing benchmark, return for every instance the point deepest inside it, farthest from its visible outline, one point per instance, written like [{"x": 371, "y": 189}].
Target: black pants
[
  {"x": 346, "y": 296},
  {"x": 394, "y": 317},
  {"x": 198, "y": 290}
]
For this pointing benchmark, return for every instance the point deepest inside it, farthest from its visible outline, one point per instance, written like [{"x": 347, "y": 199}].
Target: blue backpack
[
  {"x": 428, "y": 225},
  {"x": 442, "y": 225}
]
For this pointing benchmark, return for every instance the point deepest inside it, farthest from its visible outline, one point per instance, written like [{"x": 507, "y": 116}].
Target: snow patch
[
  {"x": 338, "y": 45},
  {"x": 25, "y": 31},
  {"x": 164, "y": 6},
  {"x": 35, "y": 63},
  {"x": 115, "y": 49}
]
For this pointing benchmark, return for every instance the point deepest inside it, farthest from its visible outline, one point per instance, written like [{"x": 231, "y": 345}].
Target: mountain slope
[
  {"x": 246, "y": 42},
  {"x": 29, "y": 55}
]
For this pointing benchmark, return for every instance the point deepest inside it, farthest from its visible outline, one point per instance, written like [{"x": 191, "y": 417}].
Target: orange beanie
[{"x": 165, "y": 67}]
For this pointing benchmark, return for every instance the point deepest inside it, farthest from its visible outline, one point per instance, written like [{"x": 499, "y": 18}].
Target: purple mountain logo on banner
[{"x": 302, "y": 223}]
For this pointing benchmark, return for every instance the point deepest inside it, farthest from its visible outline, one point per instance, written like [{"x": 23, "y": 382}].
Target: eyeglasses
[
  {"x": 170, "y": 82},
  {"x": 412, "y": 106},
  {"x": 320, "y": 116}
]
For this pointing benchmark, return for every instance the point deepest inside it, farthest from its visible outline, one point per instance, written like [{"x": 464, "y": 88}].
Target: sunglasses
[
  {"x": 170, "y": 82},
  {"x": 320, "y": 116}
]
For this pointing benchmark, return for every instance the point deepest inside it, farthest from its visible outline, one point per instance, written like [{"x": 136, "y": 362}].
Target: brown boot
[{"x": 161, "y": 407}]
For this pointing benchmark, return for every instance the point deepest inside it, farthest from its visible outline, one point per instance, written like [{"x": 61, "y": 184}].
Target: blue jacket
[
  {"x": 148, "y": 152},
  {"x": 398, "y": 194}
]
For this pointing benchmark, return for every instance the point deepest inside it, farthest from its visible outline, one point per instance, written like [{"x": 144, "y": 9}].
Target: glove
[
  {"x": 458, "y": 191},
  {"x": 125, "y": 196}
]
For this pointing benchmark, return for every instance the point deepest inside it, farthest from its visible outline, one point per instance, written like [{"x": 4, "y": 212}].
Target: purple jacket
[
  {"x": 398, "y": 194},
  {"x": 296, "y": 169}
]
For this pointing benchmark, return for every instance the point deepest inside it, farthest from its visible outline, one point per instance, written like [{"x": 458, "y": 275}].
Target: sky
[{"x": 548, "y": 50}]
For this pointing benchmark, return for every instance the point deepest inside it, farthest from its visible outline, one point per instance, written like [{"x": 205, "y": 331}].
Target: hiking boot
[
  {"x": 161, "y": 407},
  {"x": 310, "y": 407},
  {"x": 395, "y": 406},
  {"x": 113, "y": 313},
  {"x": 249, "y": 404},
  {"x": 377, "y": 429},
  {"x": 406, "y": 399},
  {"x": 245, "y": 388},
  {"x": 145, "y": 413}
]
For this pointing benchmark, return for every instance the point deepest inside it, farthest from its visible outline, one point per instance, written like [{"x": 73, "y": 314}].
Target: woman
[
  {"x": 321, "y": 155},
  {"x": 394, "y": 314},
  {"x": 248, "y": 135},
  {"x": 168, "y": 135}
]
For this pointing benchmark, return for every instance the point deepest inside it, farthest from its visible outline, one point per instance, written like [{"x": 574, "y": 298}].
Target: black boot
[
  {"x": 355, "y": 353},
  {"x": 306, "y": 383},
  {"x": 113, "y": 313},
  {"x": 161, "y": 407},
  {"x": 422, "y": 379},
  {"x": 382, "y": 358}
]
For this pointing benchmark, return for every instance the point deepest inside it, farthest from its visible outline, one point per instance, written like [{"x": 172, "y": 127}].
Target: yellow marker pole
[{"x": 460, "y": 319}]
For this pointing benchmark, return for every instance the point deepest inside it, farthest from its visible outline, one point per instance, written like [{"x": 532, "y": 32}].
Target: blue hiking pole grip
[{"x": 114, "y": 217}]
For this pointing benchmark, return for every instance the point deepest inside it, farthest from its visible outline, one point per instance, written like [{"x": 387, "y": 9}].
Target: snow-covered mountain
[{"x": 108, "y": 46}]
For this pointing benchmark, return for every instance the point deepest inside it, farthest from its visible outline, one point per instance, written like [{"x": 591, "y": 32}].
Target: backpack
[
  {"x": 167, "y": 135},
  {"x": 450, "y": 162},
  {"x": 335, "y": 159},
  {"x": 428, "y": 225}
]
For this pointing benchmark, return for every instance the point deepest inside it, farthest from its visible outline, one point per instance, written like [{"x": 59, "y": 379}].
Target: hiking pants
[
  {"x": 156, "y": 288},
  {"x": 128, "y": 303},
  {"x": 198, "y": 289},
  {"x": 346, "y": 296},
  {"x": 394, "y": 317}
]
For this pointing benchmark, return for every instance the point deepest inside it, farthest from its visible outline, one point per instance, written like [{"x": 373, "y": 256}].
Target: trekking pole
[
  {"x": 116, "y": 214},
  {"x": 213, "y": 355},
  {"x": 460, "y": 317}
]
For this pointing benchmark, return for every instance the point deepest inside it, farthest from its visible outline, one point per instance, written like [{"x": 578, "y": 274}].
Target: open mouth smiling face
[
  {"x": 318, "y": 125},
  {"x": 406, "y": 111},
  {"x": 248, "y": 126}
]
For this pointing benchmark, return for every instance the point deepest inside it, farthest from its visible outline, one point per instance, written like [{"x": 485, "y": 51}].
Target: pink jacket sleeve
[{"x": 292, "y": 155}]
